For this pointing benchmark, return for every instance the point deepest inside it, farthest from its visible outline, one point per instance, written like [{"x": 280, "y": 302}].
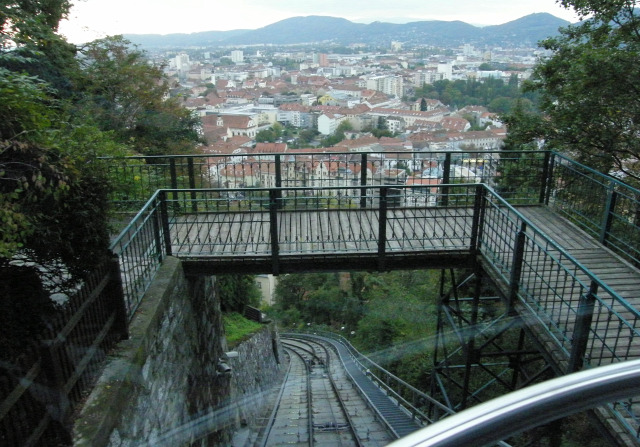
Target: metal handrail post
[
  {"x": 478, "y": 217},
  {"x": 363, "y": 180},
  {"x": 192, "y": 184},
  {"x": 446, "y": 177},
  {"x": 516, "y": 266},
  {"x": 273, "y": 223},
  {"x": 164, "y": 219},
  {"x": 584, "y": 318},
  {"x": 607, "y": 217},
  {"x": 174, "y": 180},
  {"x": 546, "y": 178},
  {"x": 278, "y": 169},
  {"x": 382, "y": 227}
]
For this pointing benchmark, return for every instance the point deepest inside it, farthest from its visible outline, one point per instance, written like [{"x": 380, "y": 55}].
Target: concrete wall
[{"x": 162, "y": 387}]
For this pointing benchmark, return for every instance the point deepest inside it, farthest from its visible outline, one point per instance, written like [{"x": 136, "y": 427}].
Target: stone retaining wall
[
  {"x": 163, "y": 378},
  {"x": 164, "y": 387}
]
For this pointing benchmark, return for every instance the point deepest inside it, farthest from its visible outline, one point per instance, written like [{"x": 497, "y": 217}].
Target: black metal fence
[
  {"x": 518, "y": 175},
  {"x": 40, "y": 389}
]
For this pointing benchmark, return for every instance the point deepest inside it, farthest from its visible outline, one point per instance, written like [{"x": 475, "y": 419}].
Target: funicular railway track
[{"x": 318, "y": 405}]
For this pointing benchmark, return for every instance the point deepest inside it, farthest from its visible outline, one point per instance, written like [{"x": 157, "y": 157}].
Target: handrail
[
  {"x": 140, "y": 248},
  {"x": 590, "y": 274},
  {"x": 508, "y": 415},
  {"x": 608, "y": 178}
]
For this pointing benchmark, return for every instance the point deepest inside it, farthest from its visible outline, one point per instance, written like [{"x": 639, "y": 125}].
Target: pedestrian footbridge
[{"x": 559, "y": 242}]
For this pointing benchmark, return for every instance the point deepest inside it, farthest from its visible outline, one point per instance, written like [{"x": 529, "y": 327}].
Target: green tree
[
  {"x": 265, "y": 136},
  {"x": 237, "y": 291},
  {"x": 53, "y": 206},
  {"x": 423, "y": 105},
  {"x": 125, "y": 94},
  {"x": 30, "y": 21},
  {"x": 485, "y": 66},
  {"x": 588, "y": 88}
]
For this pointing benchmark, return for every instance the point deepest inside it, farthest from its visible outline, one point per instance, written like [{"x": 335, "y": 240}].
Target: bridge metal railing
[
  {"x": 587, "y": 321},
  {"x": 557, "y": 288},
  {"x": 601, "y": 205},
  {"x": 277, "y": 222},
  {"x": 519, "y": 174},
  {"x": 604, "y": 207},
  {"x": 140, "y": 249}
]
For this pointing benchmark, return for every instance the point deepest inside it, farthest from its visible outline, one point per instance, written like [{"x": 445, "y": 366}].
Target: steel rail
[
  {"x": 497, "y": 419},
  {"x": 343, "y": 406}
]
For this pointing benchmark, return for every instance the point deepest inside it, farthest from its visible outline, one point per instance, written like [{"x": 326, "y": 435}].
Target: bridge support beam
[{"x": 482, "y": 347}]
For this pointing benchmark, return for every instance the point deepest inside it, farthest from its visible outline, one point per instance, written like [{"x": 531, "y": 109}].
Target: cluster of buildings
[{"x": 239, "y": 95}]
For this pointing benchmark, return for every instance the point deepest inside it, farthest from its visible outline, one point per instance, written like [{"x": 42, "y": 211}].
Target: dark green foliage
[
  {"x": 270, "y": 135},
  {"x": 61, "y": 108},
  {"x": 236, "y": 292},
  {"x": 338, "y": 135},
  {"x": 495, "y": 94},
  {"x": 390, "y": 316},
  {"x": 588, "y": 88},
  {"x": 381, "y": 309},
  {"x": 28, "y": 21},
  {"x": 126, "y": 95}
]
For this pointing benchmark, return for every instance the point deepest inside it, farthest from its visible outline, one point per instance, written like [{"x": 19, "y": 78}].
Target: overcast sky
[{"x": 92, "y": 19}]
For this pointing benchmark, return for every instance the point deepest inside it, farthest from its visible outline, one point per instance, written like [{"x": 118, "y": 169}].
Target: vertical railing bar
[
  {"x": 273, "y": 222},
  {"x": 363, "y": 180},
  {"x": 478, "y": 218},
  {"x": 382, "y": 227},
  {"x": 174, "y": 183},
  {"x": 192, "y": 184},
  {"x": 546, "y": 179},
  {"x": 164, "y": 218},
  {"x": 516, "y": 265},
  {"x": 446, "y": 178},
  {"x": 584, "y": 318},
  {"x": 607, "y": 218},
  {"x": 158, "y": 240},
  {"x": 278, "y": 169}
]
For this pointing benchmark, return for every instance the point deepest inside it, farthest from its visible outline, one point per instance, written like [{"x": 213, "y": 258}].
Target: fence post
[
  {"x": 382, "y": 228},
  {"x": 545, "y": 178},
  {"x": 516, "y": 265},
  {"x": 545, "y": 193},
  {"x": 273, "y": 223},
  {"x": 446, "y": 178},
  {"x": 363, "y": 180},
  {"x": 586, "y": 306},
  {"x": 192, "y": 184},
  {"x": 607, "y": 217},
  {"x": 278, "y": 173},
  {"x": 164, "y": 218},
  {"x": 478, "y": 217},
  {"x": 117, "y": 298}
]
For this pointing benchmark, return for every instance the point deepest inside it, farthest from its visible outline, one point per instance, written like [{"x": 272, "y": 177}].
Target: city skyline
[{"x": 93, "y": 19}]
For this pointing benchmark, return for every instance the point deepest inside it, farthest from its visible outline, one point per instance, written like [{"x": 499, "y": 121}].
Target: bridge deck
[{"x": 317, "y": 240}]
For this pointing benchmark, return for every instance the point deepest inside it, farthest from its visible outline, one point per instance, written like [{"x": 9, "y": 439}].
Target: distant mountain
[
  {"x": 532, "y": 28},
  {"x": 182, "y": 40},
  {"x": 527, "y": 30}
]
